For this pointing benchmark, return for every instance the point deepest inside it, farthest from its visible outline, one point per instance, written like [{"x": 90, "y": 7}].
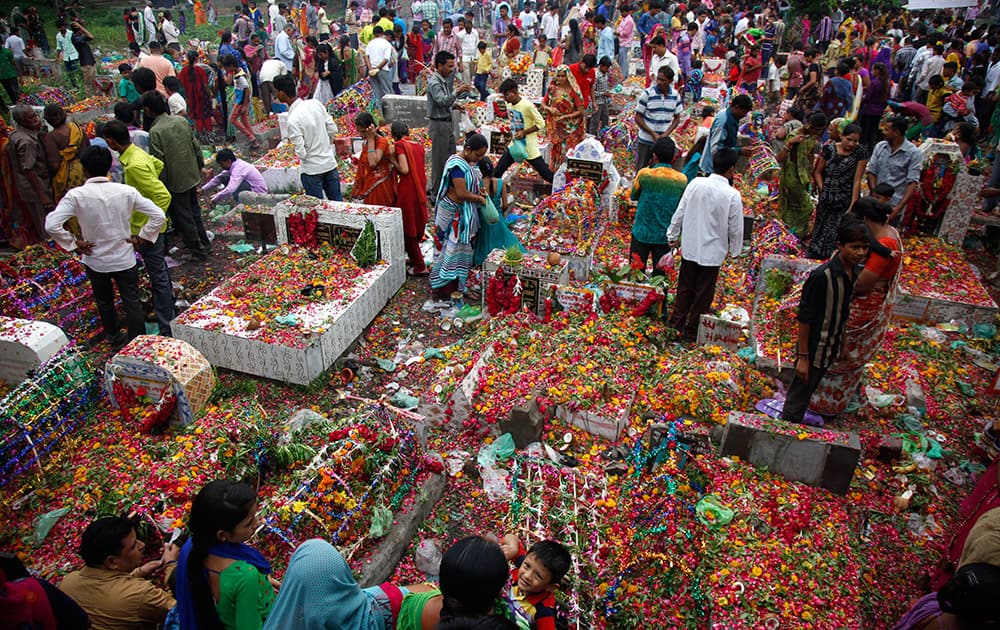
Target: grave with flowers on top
[{"x": 292, "y": 313}]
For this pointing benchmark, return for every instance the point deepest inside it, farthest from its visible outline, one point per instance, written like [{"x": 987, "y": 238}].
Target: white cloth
[
  {"x": 272, "y": 13},
  {"x": 379, "y": 50},
  {"x": 171, "y": 33},
  {"x": 284, "y": 51},
  {"x": 710, "y": 218},
  {"x": 16, "y": 46},
  {"x": 309, "y": 130},
  {"x": 177, "y": 104},
  {"x": 149, "y": 22},
  {"x": 550, "y": 26},
  {"x": 104, "y": 211},
  {"x": 528, "y": 21},
  {"x": 469, "y": 40},
  {"x": 992, "y": 78},
  {"x": 271, "y": 69}
]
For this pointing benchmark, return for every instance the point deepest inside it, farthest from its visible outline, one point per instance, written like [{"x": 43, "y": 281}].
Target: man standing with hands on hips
[{"x": 441, "y": 96}]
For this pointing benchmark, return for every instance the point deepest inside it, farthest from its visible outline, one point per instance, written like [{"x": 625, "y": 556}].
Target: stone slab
[
  {"x": 380, "y": 565},
  {"x": 815, "y": 457},
  {"x": 525, "y": 422}
]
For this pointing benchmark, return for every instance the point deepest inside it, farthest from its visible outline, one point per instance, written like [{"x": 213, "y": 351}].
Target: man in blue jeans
[{"x": 310, "y": 130}]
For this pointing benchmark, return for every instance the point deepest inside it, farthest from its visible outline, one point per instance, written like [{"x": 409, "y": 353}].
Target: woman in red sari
[
  {"x": 407, "y": 158},
  {"x": 869, "y": 317},
  {"x": 199, "y": 99},
  {"x": 373, "y": 182},
  {"x": 16, "y": 226}
]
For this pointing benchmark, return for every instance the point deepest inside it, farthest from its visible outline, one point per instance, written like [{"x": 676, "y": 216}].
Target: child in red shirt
[{"x": 535, "y": 576}]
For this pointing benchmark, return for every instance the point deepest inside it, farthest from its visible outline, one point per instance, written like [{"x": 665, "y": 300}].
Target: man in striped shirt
[
  {"x": 657, "y": 114},
  {"x": 823, "y": 311}
]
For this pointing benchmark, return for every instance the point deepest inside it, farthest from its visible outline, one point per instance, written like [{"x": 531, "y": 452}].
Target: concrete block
[
  {"x": 411, "y": 110},
  {"x": 525, "y": 422},
  {"x": 816, "y": 457},
  {"x": 379, "y": 566}
]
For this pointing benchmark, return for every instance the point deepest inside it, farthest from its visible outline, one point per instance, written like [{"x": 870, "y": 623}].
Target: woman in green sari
[{"x": 795, "y": 207}]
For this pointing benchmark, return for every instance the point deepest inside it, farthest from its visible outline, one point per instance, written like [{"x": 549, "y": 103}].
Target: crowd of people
[{"x": 215, "y": 578}]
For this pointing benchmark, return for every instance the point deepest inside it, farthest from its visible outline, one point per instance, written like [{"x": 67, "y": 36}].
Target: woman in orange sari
[
  {"x": 564, "y": 109},
  {"x": 63, "y": 146},
  {"x": 373, "y": 181},
  {"x": 200, "y": 17}
]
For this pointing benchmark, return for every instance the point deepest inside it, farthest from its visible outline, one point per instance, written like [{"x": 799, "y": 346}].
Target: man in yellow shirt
[
  {"x": 526, "y": 122},
  {"x": 483, "y": 66},
  {"x": 142, "y": 172},
  {"x": 114, "y": 588}
]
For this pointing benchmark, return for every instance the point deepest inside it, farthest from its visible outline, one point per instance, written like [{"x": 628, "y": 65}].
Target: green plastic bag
[
  {"x": 489, "y": 212},
  {"x": 381, "y": 522},
  {"x": 501, "y": 450},
  {"x": 712, "y": 512},
  {"x": 518, "y": 150},
  {"x": 44, "y": 524}
]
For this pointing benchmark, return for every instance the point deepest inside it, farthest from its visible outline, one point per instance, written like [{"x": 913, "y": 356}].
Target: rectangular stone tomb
[
  {"x": 815, "y": 457},
  {"x": 602, "y": 423},
  {"x": 26, "y": 344},
  {"x": 307, "y": 338}
]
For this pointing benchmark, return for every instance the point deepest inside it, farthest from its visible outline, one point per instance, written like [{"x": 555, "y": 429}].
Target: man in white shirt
[
  {"x": 529, "y": 20},
  {"x": 468, "y": 37},
  {"x": 662, "y": 57},
  {"x": 171, "y": 34},
  {"x": 550, "y": 26},
  {"x": 284, "y": 50},
  {"x": 310, "y": 130},
  {"x": 742, "y": 25},
  {"x": 104, "y": 210},
  {"x": 15, "y": 44},
  {"x": 273, "y": 13},
  {"x": 379, "y": 54},
  {"x": 710, "y": 218}
]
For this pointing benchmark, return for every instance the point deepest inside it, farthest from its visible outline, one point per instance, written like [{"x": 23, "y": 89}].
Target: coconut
[{"x": 554, "y": 259}]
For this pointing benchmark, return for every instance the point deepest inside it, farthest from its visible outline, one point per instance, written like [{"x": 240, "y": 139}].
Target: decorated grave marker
[
  {"x": 160, "y": 379},
  {"x": 25, "y": 345},
  {"x": 37, "y": 414},
  {"x": 937, "y": 284},
  {"x": 292, "y": 313},
  {"x": 718, "y": 331},
  {"x": 536, "y": 276}
]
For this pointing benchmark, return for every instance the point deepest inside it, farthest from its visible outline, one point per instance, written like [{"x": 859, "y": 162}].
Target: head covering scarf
[
  {"x": 319, "y": 592},
  {"x": 571, "y": 80},
  {"x": 232, "y": 551}
]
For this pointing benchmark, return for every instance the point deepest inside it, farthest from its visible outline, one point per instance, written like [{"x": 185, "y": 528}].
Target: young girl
[
  {"x": 222, "y": 581},
  {"x": 239, "y": 117}
]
